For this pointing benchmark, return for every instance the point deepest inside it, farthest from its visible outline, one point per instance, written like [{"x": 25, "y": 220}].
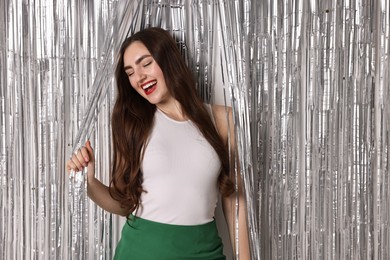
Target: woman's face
[{"x": 145, "y": 74}]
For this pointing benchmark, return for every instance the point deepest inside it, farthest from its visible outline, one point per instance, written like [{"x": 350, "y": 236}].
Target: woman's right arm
[{"x": 97, "y": 191}]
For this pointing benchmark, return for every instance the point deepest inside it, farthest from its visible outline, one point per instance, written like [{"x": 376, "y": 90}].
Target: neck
[{"x": 173, "y": 110}]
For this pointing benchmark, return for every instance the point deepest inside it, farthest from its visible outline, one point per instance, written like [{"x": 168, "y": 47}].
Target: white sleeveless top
[{"x": 180, "y": 171}]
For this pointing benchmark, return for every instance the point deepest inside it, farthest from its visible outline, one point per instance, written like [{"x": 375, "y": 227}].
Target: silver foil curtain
[{"x": 308, "y": 82}]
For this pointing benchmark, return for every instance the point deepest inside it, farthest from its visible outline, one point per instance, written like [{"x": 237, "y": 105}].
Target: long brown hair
[{"x": 132, "y": 117}]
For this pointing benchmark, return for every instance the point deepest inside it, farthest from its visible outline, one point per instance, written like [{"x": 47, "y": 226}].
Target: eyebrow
[{"x": 138, "y": 61}]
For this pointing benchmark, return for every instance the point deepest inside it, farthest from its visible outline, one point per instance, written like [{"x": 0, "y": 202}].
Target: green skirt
[{"x": 148, "y": 240}]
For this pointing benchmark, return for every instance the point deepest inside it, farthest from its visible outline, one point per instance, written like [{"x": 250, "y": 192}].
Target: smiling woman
[{"x": 170, "y": 158}]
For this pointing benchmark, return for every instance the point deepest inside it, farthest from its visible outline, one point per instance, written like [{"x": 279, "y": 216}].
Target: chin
[{"x": 153, "y": 101}]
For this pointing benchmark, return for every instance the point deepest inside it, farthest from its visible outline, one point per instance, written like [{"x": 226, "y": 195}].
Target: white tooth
[{"x": 148, "y": 85}]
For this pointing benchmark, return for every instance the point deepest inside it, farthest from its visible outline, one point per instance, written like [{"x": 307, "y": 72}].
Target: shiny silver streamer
[
  {"x": 237, "y": 23},
  {"x": 49, "y": 58},
  {"x": 79, "y": 245},
  {"x": 309, "y": 83}
]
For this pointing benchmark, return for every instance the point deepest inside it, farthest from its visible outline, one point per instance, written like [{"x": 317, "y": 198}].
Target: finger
[
  {"x": 78, "y": 160},
  {"x": 90, "y": 150},
  {"x": 71, "y": 166},
  {"x": 80, "y": 157},
  {"x": 68, "y": 167},
  {"x": 84, "y": 154}
]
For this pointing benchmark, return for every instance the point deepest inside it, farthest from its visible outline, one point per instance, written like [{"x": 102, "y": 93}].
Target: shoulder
[{"x": 223, "y": 120}]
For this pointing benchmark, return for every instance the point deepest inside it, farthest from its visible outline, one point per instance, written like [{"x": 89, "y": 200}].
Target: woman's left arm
[
  {"x": 230, "y": 211},
  {"x": 224, "y": 122}
]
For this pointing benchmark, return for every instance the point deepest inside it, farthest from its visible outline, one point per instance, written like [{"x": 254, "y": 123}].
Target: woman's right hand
[{"x": 83, "y": 157}]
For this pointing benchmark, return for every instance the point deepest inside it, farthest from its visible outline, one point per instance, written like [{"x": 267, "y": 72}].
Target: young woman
[{"x": 170, "y": 158}]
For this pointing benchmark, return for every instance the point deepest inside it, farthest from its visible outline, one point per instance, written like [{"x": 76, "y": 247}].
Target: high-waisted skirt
[{"x": 143, "y": 239}]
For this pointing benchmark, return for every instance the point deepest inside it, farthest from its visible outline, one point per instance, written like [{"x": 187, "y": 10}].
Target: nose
[{"x": 139, "y": 76}]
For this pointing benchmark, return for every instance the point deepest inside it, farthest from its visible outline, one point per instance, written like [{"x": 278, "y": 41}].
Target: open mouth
[{"x": 149, "y": 87}]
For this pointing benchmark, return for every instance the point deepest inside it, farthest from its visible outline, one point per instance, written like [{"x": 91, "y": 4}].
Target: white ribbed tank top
[{"x": 180, "y": 171}]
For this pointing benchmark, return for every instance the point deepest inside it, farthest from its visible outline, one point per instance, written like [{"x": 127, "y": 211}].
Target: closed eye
[{"x": 147, "y": 64}]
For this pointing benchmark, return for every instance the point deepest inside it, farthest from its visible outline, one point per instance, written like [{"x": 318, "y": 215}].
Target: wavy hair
[{"x": 132, "y": 118}]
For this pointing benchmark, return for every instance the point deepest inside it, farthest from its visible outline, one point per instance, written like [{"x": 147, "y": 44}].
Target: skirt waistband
[{"x": 145, "y": 239}]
